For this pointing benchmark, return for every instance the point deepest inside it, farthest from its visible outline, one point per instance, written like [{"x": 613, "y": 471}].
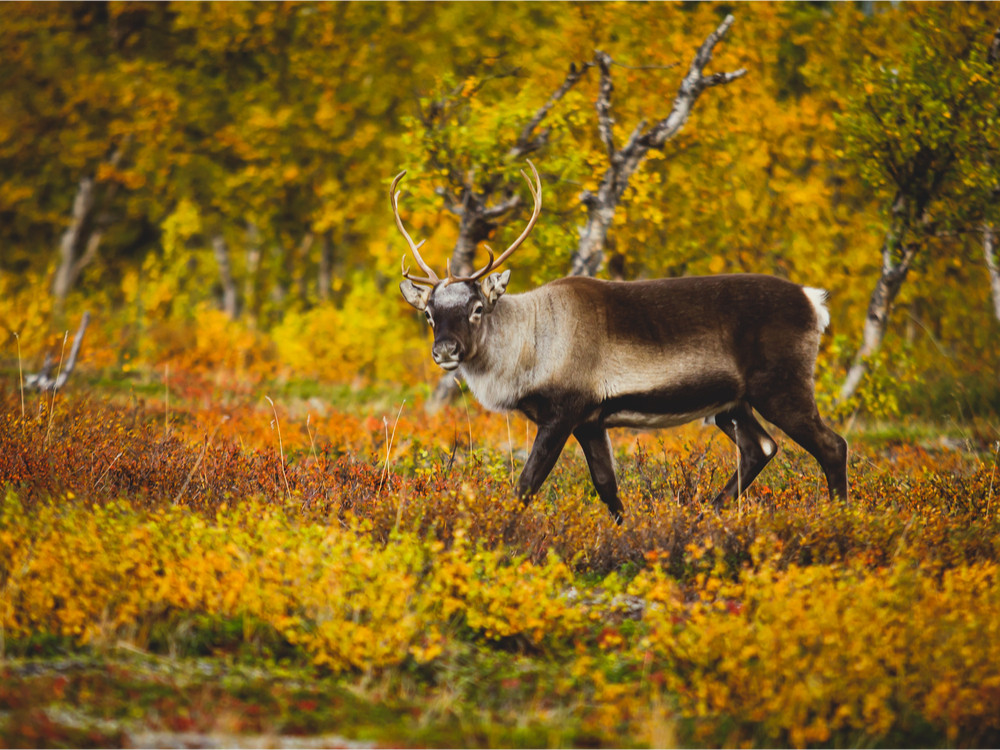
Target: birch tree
[
  {"x": 623, "y": 161},
  {"x": 989, "y": 229},
  {"x": 922, "y": 130},
  {"x": 992, "y": 266}
]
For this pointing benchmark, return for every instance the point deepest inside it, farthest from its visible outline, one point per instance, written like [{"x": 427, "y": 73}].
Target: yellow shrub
[
  {"x": 367, "y": 336},
  {"x": 791, "y": 656},
  {"x": 99, "y": 573},
  {"x": 209, "y": 341},
  {"x": 808, "y": 652}
]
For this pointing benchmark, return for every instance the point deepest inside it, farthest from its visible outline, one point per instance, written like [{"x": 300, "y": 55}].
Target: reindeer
[{"x": 579, "y": 355}]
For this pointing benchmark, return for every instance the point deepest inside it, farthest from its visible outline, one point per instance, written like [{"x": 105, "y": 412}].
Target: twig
[
  {"x": 281, "y": 448},
  {"x": 105, "y": 472},
  {"x": 468, "y": 417},
  {"x": 525, "y": 142},
  {"x": 52, "y": 405},
  {"x": 388, "y": 449},
  {"x": 166, "y": 400},
  {"x": 20, "y": 374},
  {"x": 644, "y": 67},
  {"x": 312, "y": 443},
  {"x": 197, "y": 463}
]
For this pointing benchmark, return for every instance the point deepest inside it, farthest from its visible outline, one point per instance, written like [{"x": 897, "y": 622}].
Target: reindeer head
[{"x": 457, "y": 307}]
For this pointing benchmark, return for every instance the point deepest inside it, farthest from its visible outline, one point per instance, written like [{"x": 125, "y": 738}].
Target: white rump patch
[{"x": 817, "y": 297}]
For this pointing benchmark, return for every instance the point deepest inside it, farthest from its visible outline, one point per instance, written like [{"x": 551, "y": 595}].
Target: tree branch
[
  {"x": 622, "y": 163},
  {"x": 526, "y": 144},
  {"x": 605, "y": 122},
  {"x": 500, "y": 209},
  {"x": 81, "y": 239},
  {"x": 691, "y": 87},
  {"x": 220, "y": 248}
]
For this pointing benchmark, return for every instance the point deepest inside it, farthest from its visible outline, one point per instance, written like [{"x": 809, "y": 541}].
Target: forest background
[
  {"x": 237, "y": 523},
  {"x": 210, "y": 180}
]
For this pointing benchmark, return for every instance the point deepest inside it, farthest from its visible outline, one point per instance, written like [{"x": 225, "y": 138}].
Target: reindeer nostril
[{"x": 446, "y": 350}]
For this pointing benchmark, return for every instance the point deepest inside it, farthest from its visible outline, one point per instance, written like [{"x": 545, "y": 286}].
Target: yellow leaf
[{"x": 744, "y": 199}]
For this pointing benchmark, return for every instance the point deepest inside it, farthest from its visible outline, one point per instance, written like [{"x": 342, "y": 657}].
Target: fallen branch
[{"x": 43, "y": 380}]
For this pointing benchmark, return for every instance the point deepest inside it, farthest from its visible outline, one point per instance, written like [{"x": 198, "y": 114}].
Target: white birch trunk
[
  {"x": 71, "y": 252},
  {"x": 80, "y": 241},
  {"x": 886, "y": 290},
  {"x": 993, "y": 266},
  {"x": 230, "y": 303}
]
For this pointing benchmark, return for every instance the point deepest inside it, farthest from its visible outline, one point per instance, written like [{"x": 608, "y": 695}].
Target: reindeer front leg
[{"x": 549, "y": 442}]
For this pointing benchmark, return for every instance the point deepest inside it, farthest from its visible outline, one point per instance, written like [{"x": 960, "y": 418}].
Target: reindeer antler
[
  {"x": 431, "y": 277},
  {"x": 536, "y": 194}
]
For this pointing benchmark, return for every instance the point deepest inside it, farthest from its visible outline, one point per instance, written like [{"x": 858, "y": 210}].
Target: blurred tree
[
  {"x": 65, "y": 141},
  {"x": 473, "y": 148},
  {"x": 161, "y": 160},
  {"x": 989, "y": 229},
  {"x": 923, "y": 131},
  {"x": 477, "y": 154},
  {"x": 992, "y": 266}
]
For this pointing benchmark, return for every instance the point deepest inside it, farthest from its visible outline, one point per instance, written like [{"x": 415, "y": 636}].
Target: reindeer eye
[
  {"x": 430, "y": 320},
  {"x": 477, "y": 312}
]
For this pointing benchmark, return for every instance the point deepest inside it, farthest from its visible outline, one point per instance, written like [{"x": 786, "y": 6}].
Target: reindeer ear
[
  {"x": 415, "y": 295},
  {"x": 494, "y": 286}
]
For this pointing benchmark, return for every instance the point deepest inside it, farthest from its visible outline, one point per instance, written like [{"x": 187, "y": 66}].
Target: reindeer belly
[
  {"x": 648, "y": 421},
  {"x": 669, "y": 405}
]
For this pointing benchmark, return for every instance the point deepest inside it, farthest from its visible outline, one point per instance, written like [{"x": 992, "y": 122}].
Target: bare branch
[
  {"x": 500, "y": 209},
  {"x": 717, "y": 79},
  {"x": 605, "y": 121},
  {"x": 525, "y": 142},
  {"x": 704, "y": 54},
  {"x": 691, "y": 87},
  {"x": 624, "y": 162},
  {"x": 671, "y": 66},
  {"x": 536, "y": 194}
]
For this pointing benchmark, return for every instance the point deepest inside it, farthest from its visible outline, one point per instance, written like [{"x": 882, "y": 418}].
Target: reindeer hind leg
[
  {"x": 794, "y": 412},
  {"x": 756, "y": 449}
]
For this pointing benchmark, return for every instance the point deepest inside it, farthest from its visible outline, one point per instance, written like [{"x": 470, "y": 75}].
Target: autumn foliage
[
  {"x": 361, "y": 545},
  {"x": 238, "y": 518},
  {"x": 235, "y": 161}
]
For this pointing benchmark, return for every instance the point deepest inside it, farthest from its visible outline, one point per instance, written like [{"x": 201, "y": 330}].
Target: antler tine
[
  {"x": 416, "y": 279},
  {"x": 452, "y": 278},
  {"x": 536, "y": 194},
  {"x": 431, "y": 277}
]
